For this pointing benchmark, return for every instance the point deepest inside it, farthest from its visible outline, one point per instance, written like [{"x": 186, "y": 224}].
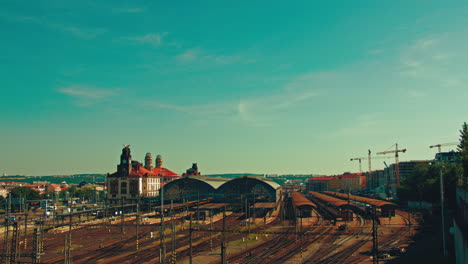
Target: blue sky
[{"x": 253, "y": 86}]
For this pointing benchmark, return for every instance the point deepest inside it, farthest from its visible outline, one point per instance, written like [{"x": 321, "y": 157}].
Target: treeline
[
  {"x": 71, "y": 179},
  {"x": 28, "y": 194},
  {"x": 424, "y": 183}
]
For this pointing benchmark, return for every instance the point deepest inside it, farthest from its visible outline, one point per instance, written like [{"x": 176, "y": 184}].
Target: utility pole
[
  {"x": 300, "y": 232},
  {"x": 375, "y": 242},
  {"x": 36, "y": 256},
  {"x": 190, "y": 240},
  {"x": 442, "y": 200},
  {"x": 162, "y": 249},
  {"x": 68, "y": 243},
  {"x": 442, "y": 209},
  {"x": 223, "y": 240},
  {"x": 14, "y": 242},
  {"x": 211, "y": 230},
  {"x": 25, "y": 238},
  {"x": 41, "y": 238},
  {"x": 247, "y": 215},
  {"x": 137, "y": 222},
  {"x": 7, "y": 245},
  {"x": 122, "y": 217},
  {"x": 173, "y": 235},
  {"x": 295, "y": 225},
  {"x": 65, "y": 249}
]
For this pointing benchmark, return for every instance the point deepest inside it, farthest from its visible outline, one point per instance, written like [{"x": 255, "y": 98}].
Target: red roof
[
  {"x": 351, "y": 175},
  {"x": 14, "y": 183},
  {"x": 164, "y": 172},
  {"x": 139, "y": 170},
  {"x": 327, "y": 178}
]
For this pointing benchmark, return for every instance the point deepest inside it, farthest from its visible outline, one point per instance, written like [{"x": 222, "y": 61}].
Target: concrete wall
[
  {"x": 460, "y": 226},
  {"x": 461, "y": 246}
]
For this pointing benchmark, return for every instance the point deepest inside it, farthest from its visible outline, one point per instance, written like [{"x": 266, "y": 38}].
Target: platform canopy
[
  {"x": 264, "y": 205},
  {"x": 300, "y": 201},
  {"x": 212, "y": 206},
  {"x": 365, "y": 200}
]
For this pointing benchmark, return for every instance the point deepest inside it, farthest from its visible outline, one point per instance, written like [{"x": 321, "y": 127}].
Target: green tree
[
  {"x": 2, "y": 202},
  {"x": 64, "y": 194},
  {"x": 424, "y": 183},
  {"x": 24, "y": 192},
  {"x": 72, "y": 190},
  {"x": 48, "y": 195},
  {"x": 86, "y": 193},
  {"x": 463, "y": 149}
]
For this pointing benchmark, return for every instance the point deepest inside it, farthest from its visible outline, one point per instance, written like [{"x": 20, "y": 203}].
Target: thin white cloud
[
  {"x": 265, "y": 110},
  {"x": 257, "y": 110},
  {"x": 217, "y": 110},
  {"x": 84, "y": 95},
  {"x": 363, "y": 125},
  {"x": 77, "y": 31},
  {"x": 82, "y": 32},
  {"x": 188, "y": 56},
  {"x": 438, "y": 59},
  {"x": 154, "y": 39},
  {"x": 424, "y": 43},
  {"x": 427, "y": 65},
  {"x": 204, "y": 58},
  {"x": 376, "y": 51}
]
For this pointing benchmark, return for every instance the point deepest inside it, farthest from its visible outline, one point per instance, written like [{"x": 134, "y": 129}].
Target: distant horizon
[{"x": 211, "y": 174}]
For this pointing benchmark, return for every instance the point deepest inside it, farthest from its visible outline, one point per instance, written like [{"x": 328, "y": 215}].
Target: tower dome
[
  {"x": 159, "y": 161},
  {"x": 148, "y": 161}
]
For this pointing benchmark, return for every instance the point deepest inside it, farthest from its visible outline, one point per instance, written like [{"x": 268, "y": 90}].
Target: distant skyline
[{"x": 273, "y": 87}]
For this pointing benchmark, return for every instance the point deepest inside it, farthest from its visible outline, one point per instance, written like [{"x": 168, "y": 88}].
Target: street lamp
[{"x": 442, "y": 208}]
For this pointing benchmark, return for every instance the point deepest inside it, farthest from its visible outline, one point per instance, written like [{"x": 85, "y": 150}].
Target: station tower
[
  {"x": 125, "y": 166},
  {"x": 148, "y": 161},
  {"x": 159, "y": 161}
]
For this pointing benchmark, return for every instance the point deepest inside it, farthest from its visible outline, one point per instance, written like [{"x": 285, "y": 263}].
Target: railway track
[
  {"x": 288, "y": 253},
  {"x": 333, "y": 243},
  {"x": 343, "y": 255},
  {"x": 104, "y": 242},
  {"x": 260, "y": 252},
  {"x": 281, "y": 247}
]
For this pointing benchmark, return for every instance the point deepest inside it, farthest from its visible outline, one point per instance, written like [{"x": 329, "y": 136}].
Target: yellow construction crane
[
  {"x": 397, "y": 169},
  {"x": 443, "y": 145},
  {"x": 360, "y": 159},
  {"x": 368, "y": 158}
]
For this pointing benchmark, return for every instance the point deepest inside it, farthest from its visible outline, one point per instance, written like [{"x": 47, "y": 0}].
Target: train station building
[{"x": 133, "y": 180}]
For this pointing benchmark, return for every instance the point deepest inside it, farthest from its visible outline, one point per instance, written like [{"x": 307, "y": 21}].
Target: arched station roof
[
  {"x": 370, "y": 201},
  {"x": 247, "y": 185},
  {"x": 192, "y": 188},
  {"x": 299, "y": 200}
]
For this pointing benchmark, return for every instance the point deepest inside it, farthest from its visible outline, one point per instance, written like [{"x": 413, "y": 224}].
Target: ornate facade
[{"x": 133, "y": 180}]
